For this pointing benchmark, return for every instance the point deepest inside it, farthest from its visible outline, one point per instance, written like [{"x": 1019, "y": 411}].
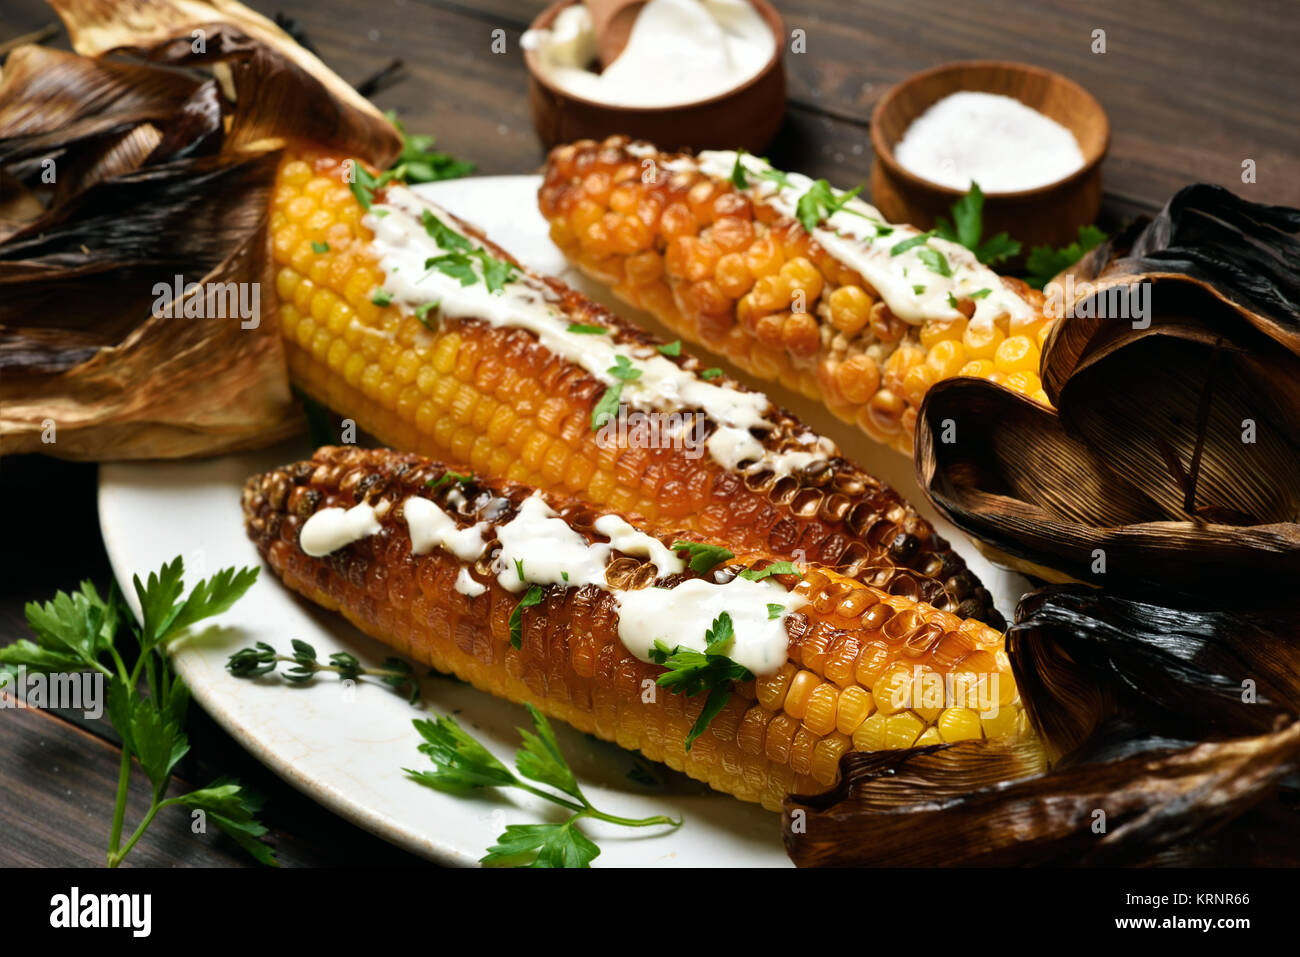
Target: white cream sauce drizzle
[
  {"x": 333, "y": 528},
  {"x": 548, "y": 551},
  {"x": 404, "y": 245},
  {"x": 855, "y": 242}
]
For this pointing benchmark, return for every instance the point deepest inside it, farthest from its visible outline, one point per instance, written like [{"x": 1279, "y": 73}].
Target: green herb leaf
[
  {"x": 673, "y": 348},
  {"x": 918, "y": 289},
  {"x": 381, "y": 297},
  {"x": 623, "y": 369},
  {"x": 540, "y": 758},
  {"x": 449, "y": 476},
  {"x": 461, "y": 763},
  {"x": 979, "y": 294},
  {"x": 703, "y": 557},
  {"x": 233, "y": 808},
  {"x": 968, "y": 215},
  {"x": 580, "y": 329},
  {"x": 738, "y": 179},
  {"x": 708, "y": 374},
  {"x": 541, "y": 845},
  {"x": 422, "y": 311},
  {"x": 442, "y": 234},
  {"x": 456, "y": 265},
  {"x": 935, "y": 261},
  {"x": 720, "y": 632},
  {"x": 776, "y": 568},
  {"x": 606, "y": 407},
  {"x": 496, "y": 272},
  {"x": 423, "y": 163},
  {"x": 320, "y": 247},
  {"x": 901, "y": 247},
  {"x": 1044, "y": 263},
  {"x": 774, "y": 611},
  {"x": 532, "y": 597},
  {"x": 820, "y": 202}
]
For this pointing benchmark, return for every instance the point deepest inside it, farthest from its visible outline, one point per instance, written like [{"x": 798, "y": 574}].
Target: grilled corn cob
[
  {"x": 731, "y": 267},
  {"x": 495, "y": 398},
  {"x": 855, "y": 668}
]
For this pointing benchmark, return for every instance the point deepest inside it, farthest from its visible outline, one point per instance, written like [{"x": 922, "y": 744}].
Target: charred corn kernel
[
  {"x": 959, "y": 724},
  {"x": 776, "y": 733},
  {"x": 776, "y": 303},
  {"x": 1016, "y": 354}
]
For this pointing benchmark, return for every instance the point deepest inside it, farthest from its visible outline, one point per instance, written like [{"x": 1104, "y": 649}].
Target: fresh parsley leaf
[
  {"x": 935, "y": 261},
  {"x": 233, "y": 808},
  {"x": 447, "y": 238},
  {"x": 673, "y": 348},
  {"x": 422, "y": 311},
  {"x": 623, "y": 369},
  {"x": 540, "y": 758},
  {"x": 774, "y": 175},
  {"x": 1044, "y": 262},
  {"x": 720, "y": 632},
  {"x": 319, "y": 248},
  {"x": 449, "y": 476},
  {"x": 423, "y": 163},
  {"x": 901, "y": 247},
  {"x": 738, "y": 179},
  {"x": 968, "y": 217},
  {"x": 918, "y": 289},
  {"x": 952, "y": 301},
  {"x": 997, "y": 249},
  {"x": 364, "y": 185},
  {"x": 461, "y": 763},
  {"x": 606, "y": 407},
  {"x": 979, "y": 294},
  {"x": 703, "y": 557},
  {"x": 381, "y": 297},
  {"x": 519, "y": 569},
  {"x": 214, "y": 595},
  {"x": 820, "y": 202},
  {"x": 708, "y": 374},
  {"x": 774, "y": 611},
  {"x": 532, "y": 597},
  {"x": 691, "y": 672},
  {"x": 776, "y": 568},
  {"x": 496, "y": 272},
  {"x": 578, "y": 328},
  {"x": 456, "y": 265},
  {"x": 541, "y": 845}
]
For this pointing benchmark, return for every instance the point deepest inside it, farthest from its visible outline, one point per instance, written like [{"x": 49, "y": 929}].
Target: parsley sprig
[
  {"x": 420, "y": 162},
  {"x": 462, "y": 764},
  {"x": 820, "y": 202},
  {"x": 690, "y": 672},
  {"x": 80, "y": 632},
  {"x": 967, "y": 227},
  {"x": 1044, "y": 262},
  {"x": 261, "y": 659},
  {"x": 703, "y": 557}
]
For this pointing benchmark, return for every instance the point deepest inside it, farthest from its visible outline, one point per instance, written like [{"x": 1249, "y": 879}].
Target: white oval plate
[{"x": 346, "y": 746}]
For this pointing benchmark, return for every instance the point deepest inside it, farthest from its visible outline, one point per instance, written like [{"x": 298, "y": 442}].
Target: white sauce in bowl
[
  {"x": 679, "y": 51},
  {"x": 993, "y": 140}
]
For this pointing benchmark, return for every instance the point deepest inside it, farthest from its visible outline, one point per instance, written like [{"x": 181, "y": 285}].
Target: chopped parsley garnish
[
  {"x": 456, "y": 265},
  {"x": 710, "y": 373},
  {"x": 320, "y": 247},
  {"x": 623, "y": 369},
  {"x": 952, "y": 301},
  {"x": 459, "y": 265},
  {"x": 820, "y": 202},
  {"x": 577, "y": 328},
  {"x": 979, "y": 293},
  {"x": 381, "y": 297},
  {"x": 775, "y": 175},
  {"x": 442, "y": 234},
  {"x": 703, "y": 557},
  {"x": 776, "y": 568},
  {"x": 738, "y": 179},
  {"x": 690, "y": 672},
  {"x": 673, "y": 348},
  {"x": 564, "y": 575},
  {"x": 449, "y": 476},
  {"x": 968, "y": 225},
  {"x": 935, "y": 261},
  {"x": 422, "y": 163},
  {"x": 774, "y": 611},
  {"x": 899, "y": 248},
  {"x": 918, "y": 289},
  {"x": 532, "y": 597},
  {"x": 363, "y": 185},
  {"x": 607, "y": 406},
  {"x": 519, "y": 568},
  {"x": 422, "y": 311}
]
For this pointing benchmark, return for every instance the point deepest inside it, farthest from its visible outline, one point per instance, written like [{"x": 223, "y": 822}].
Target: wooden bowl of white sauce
[
  {"x": 702, "y": 74},
  {"x": 1032, "y": 139}
]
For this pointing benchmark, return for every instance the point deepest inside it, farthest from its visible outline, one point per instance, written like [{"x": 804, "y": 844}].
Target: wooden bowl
[
  {"x": 745, "y": 117},
  {"x": 1050, "y": 214}
]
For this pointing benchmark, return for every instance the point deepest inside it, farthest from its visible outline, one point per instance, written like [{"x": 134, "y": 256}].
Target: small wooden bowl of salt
[{"x": 1032, "y": 139}]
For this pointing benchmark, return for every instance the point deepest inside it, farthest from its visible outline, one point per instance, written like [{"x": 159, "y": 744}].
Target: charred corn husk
[
  {"x": 861, "y": 669},
  {"x": 715, "y": 250},
  {"x": 512, "y": 395}
]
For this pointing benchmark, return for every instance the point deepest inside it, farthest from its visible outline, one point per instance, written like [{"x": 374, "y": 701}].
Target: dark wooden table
[{"x": 1193, "y": 88}]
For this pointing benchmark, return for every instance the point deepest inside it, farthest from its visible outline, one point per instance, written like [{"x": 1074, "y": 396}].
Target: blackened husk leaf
[
  {"x": 1176, "y": 741},
  {"x": 1172, "y": 463}
]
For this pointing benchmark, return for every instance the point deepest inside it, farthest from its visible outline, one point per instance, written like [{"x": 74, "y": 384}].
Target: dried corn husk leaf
[
  {"x": 1121, "y": 693},
  {"x": 266, "y": 63},
  {"x": 1173, "y": 459},
  {"x": 159, "y": 175}
]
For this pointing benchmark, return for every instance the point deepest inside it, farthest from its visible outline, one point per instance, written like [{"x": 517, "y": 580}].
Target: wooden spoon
[{"x": 612, "y": 22}]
